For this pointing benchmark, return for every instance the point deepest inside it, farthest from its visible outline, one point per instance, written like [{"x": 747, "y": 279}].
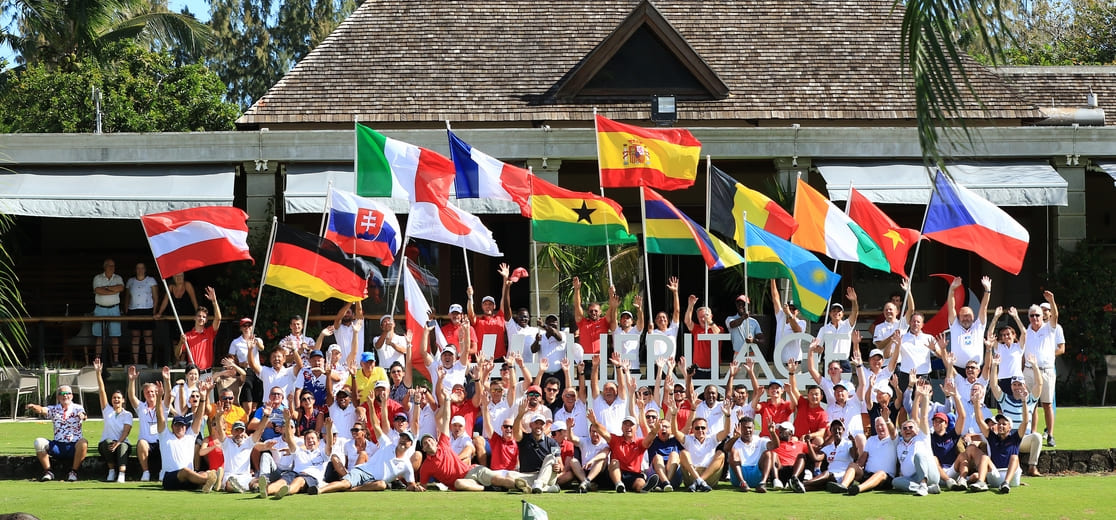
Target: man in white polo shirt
[
  {"x": 1043, "y": 342},
  {"x": 966, "y": 330}
]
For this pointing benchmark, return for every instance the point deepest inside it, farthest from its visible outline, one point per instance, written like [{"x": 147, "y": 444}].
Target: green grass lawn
[
  {"x": 1076, "y": 429},
  {"x": 1086, "y": 496}
]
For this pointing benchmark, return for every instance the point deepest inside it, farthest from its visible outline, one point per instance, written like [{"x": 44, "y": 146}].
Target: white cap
[
  {"x": 1045, "y": 305},
  {"x": 875, "y": 352},
  {"x": 457, "y": 419},
  {"x": 558, "y": 425},
  {"x": 488, "y": 299},
  {"x": 455, "y": 308},
  {"x": 536, "y": 417}
]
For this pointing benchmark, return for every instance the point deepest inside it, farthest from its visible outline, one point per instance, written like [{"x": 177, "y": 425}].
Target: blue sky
[{"x": 200, "y": 8}]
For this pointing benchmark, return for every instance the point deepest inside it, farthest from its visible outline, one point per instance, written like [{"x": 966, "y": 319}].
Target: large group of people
[{"x": 533, "y": 417}]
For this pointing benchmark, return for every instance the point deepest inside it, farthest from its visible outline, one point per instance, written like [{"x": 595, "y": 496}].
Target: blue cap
[
  {"x": 317, "y": 353},
  {"x": 367, "y": 356},
  {"x": 181, "y": 419}
]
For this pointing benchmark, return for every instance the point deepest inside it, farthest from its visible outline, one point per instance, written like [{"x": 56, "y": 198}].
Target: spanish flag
[
  {"x": 316, "y": 268},
  {"x": 670, "y": 232},
  {"x": 562, "y": 216},
  {"x": 631, "y": 156}
]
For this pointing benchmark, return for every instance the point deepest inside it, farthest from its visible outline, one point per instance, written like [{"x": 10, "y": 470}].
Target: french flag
[
  {"x": 363, "y": 226},
  {"x": 960, "y": 218},
  {"x": 481, "y": 176}
]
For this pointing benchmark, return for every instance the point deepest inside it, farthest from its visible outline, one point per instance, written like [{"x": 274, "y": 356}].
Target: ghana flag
[
  {"x": 562, "y": 216},
  {"x": 316, "y": 268}
]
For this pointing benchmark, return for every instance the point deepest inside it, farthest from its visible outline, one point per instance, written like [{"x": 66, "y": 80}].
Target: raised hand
[
  {"x": 564, "y": 363},
  {"x": 637, "y": 301},
  {"x": 986, "y": 282},
  {"x": 544, "y": 364},
  {"x": 210, "y": 294},
  {"x": 749, "y": 364},
  {"x": 955, "y": 283},
  {"x": 904, "y": 283},
  {"x": 692, "y": 300},
  {"x": 816, "y": 346},
  {"x": 97, "y": 365},
  {"x": 850, "y": 294},
  {"x": 1030, "y": 359},
  {"x": 1048, "y": 296},
  {"x": 504, "y": 271},
  {"x": 132, "y": 375},
  {"x": 614, "y": 358},
  {"x": 1014, "y": 312},
  {"x": 998, "y": 312},
  {"x": 734, "y": 368},
  {"x": 576, "y": 283},
  {"x": 672, "y": 284}
]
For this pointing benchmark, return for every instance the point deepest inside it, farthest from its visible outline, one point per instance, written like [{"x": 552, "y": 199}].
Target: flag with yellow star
[
  {"x": 894, "y": 241},
  {"x": 563, "y": 216}
]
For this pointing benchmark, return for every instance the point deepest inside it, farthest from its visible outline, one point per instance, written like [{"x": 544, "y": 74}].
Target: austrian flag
[{"x": 196, "y": 237}]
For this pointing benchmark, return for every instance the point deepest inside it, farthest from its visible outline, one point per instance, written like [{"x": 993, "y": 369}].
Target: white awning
[
  {"x": 307, "y": 185},
  {"x": 113, "y": 192},
  {"x": 1108, "y": 167},
  {"x": 1022, "y": 183}
]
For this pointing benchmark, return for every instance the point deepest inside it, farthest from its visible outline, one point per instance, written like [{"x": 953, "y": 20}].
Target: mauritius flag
[{"x": 670, "y": 232}]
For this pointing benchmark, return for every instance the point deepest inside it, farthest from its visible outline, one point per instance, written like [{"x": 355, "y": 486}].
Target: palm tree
[
  {"x": 56, "y": 32},
  {"x": 932, "y": 53},
  {"x": 13, "y": 335}
]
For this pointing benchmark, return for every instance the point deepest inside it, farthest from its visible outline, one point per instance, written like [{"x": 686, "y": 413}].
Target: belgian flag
[{"x": 316, "y": 268}]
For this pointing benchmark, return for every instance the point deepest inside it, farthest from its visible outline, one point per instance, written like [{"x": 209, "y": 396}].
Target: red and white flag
[
  {"x": 418, "y": 312},
  {"x": 196, "y": 237}
]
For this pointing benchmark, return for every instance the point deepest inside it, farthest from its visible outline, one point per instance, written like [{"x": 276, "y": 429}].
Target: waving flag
[
  {"x": 894, "y": 241},
  {"x": 772, "y": 257},
  {"x": 562, "y": 216},
  {"x": 825, "y": 229},
  {"x": 451, "y": 225},
  {"x": 316, "y": 268},
  {"x": 630, "y": 156},
  {"x": 670, "y": 232},
  {"x": 196, "y": 237},
  {"x": 480, "y": 176},
  {"x": 386, "y": 167},
  {"x": 732, "y": 203},
  {"x": 960, "y": 218},
  {"x": 363, "y": 226},
  {"x": 417, "y": 312}
]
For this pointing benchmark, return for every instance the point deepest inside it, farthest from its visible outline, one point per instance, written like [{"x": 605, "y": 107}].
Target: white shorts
[{"x": 1049, "y": 379}]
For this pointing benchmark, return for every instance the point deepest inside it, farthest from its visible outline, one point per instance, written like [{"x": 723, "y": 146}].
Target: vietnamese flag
[{"x": 894, "y": 241}]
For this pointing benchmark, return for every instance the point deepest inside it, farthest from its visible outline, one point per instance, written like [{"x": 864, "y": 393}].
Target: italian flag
[{"x": 386, "y": 167}]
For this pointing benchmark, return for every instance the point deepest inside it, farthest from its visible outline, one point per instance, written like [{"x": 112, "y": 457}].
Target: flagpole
[
  {"x": 646, "y": 254},
  {"x": 399, "y": 277},
  {"x": 744, "y": 232},
  {"x": 918, "y": 245},
  {"x": 535, "y": 275},
  {"x": 468, "y": 276},
  {"x": 263, "y": 276},
  {"x": 321, "y": 230},
  {"x": 174, "y": 310},
  {"x": 597, "y": 143},
  {"x": 786, "y": 286},
  {"x": 708, "y": 171}
]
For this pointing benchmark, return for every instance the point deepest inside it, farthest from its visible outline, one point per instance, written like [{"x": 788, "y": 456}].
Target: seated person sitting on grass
[
  {"x": 177, "y": 445},
  {"x": 68, "y": 440}
]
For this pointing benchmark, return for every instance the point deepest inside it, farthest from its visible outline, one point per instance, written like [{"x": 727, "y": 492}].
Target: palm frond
[
  {"x": 158, "y": 30},
  {"x": 13, "y": 334}
]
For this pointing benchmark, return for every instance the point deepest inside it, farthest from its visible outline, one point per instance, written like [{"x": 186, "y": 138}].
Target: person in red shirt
[
  {"x": 493, "y": 320},
  {"x": 775, "y": 409},
  {"x": 703, "y": 349},
  {"x": 504, "y": 454},
  {"x": 591, "y": 324},
  {"x": 627, "y": 453},
  {"x": 790, "y": 457},
  {"x": 196, "y": 346},
  {"x": 460, "y": 333},
  {"x": 443, "y": 465},
  {"x": 810, "y": 416}
]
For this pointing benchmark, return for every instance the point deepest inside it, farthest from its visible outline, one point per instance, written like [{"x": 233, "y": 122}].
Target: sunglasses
[
  {"x": 650, "y": 416},
  {"x": 507, "y": 426},
  {"x": 195, "y": 396},
  {"x": 354, "y": 430},
  {"x": 226, "y": 398},
  {"x": 65, "y": 393},
  {"x": 533, "y": 394},
  {"x": 305, "y": 399},
  {"x": 1035, "y": 315},
  {"x": 699, "y": 428},
  {"x": 679, "y": 391},
  {"x": 277, "y": 394}
]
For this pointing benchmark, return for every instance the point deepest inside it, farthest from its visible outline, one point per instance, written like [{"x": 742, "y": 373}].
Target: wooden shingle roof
[
  {"x": 1065, "y": 87},
  {"x": 419, "y": 62}
]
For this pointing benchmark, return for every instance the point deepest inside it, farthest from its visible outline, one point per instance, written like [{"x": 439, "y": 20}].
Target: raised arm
[
  {"x": 776, "y": 299},
  {"x": 672, "y": 285},
  {"x": 132, "y": 396},
  {"x": 905, "y": 286},
  {"x": 689, "y": 316},
  {"x": 594, "y": 424},
  {"x": 341, "y": 314},
  {"x": 792, "y": 383},
  {"x": 854, "y": 307},
  {"x": 211, "y": 295},
  {"x": 1037, "y": 389},
  {"x": 637, "y": 304},
  {"x": 505, "y": 292},
  {"x": 896, "y": 341},
  {"x": 613, "y": 308},
  {"x": 98, "y": 367},
  {"x": 811, "y": 364},
  {"x": 951, "y": 310},
  {"x": 579, "y": 312},
  {"x": 958, "y": 408},
  {"x": 1049, "y": 296},
  {"x": 985, "y": 282},
  {"x": 161, "y": 411},
  {"x": 204, "y": 387},
  {"x": 1019, "y": 324}
]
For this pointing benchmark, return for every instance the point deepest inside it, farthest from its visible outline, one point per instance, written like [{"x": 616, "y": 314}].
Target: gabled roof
[
  {"x": 1065, "y": 86},
  {"x": 643, "y": 56},
  {"x": 416, "y": 63}
]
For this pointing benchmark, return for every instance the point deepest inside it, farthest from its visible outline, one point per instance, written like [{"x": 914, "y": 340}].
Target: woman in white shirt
[{"x": 114, "y": 447}]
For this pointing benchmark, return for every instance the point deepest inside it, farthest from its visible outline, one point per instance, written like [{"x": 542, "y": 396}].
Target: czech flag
[{"x": 960, "y": 218}]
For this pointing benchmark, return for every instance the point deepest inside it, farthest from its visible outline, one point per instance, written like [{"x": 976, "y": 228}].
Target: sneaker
[
  {"x": 120, "y": 477},
  {"x": 47, "y": 476},
  {"x": 978, "y": 486},
  {"x": 922, "y": 490},
  {"x": 146, "y": 476},
  {"x": 281, "y": 493},
  {"x": 1004, "y": 488},
  {"x": 522, "y": 486},
  {"x": 776, "y": 483},
  {"x": 796, "y": 485},
  {"x": 437, "y": 486},
  {"x": 652, "y": 482},
  {"x": 72, "y": 477},
  {"x": 536, "y": 491},
  {"x": 667, "y": 488},
  {"x": 234, "y": 485},
  {"x": 263, "y": 486},
  {"x": 161, "y": 474},
  {"x": 312, "y": 490},
  {"x": 835, "y": 487},
  {"x": 807, "y": 475},
  {"x": 743, "y": 487},
  {"x": 111, "y": 475},
  {"x": 934, "y": 489},
  {"x": 854, "y": 489},
  {"x": 620, "y": 488},
  {"x": 210, "y": 481},
  {"x": 959, "y": 485},
  {"x": 1050, "y": 441},
  {"x": 693, "y": 487},
  {"x": 583, "y": 487},
  {"x": 705, "y": 487},
  {"x": 553, "y": 489},
  {"x": 762, "y": 488}
]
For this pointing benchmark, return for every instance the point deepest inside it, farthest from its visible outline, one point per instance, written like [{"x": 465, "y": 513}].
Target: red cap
[
  {"x": 518, "y": 273},
  {"x": 534, "y": 388},
  {"x": 941, "y": 416}
]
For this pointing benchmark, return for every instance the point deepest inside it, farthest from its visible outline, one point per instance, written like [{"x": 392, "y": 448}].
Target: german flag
[{"x": 315, "y": 267}]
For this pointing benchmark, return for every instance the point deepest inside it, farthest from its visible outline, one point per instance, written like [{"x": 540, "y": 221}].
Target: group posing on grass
[{"x": 320, "y": 423}]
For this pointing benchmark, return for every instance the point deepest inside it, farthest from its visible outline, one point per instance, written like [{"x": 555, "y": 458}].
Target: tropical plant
[
  {"x": 61, "y": 32},
  {"x": 590, "y": 265},
  {"x": 13, "y": 335}
]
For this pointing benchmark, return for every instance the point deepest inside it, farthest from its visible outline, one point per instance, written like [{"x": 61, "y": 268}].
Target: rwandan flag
[
  {"x": 316, "y": 268},
  {"x": 671, "y": 232},
  {"x": 772, "y": 257}
]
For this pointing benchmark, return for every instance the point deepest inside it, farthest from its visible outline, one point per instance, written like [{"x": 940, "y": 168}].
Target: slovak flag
[
  {"x": 960, "y": 218},
  {"x": 363, "y": 226},
  {"x": 481, "y": 176}
]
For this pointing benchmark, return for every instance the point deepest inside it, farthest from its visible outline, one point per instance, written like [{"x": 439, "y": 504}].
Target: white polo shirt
[{"x": 968, "y": 343}]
